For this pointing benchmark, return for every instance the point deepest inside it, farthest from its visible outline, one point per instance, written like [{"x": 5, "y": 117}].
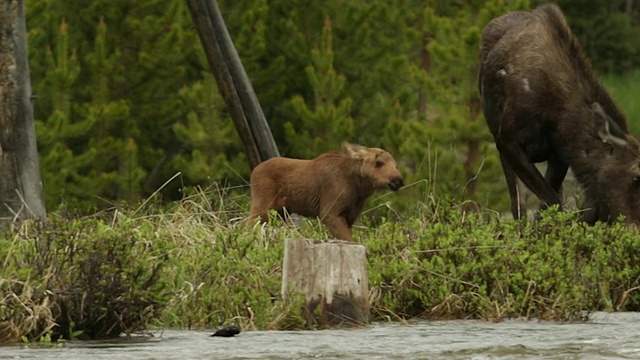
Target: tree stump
[{"x": 333, "y": 277}]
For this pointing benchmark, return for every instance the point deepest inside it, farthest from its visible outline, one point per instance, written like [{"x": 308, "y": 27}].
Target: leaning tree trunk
[
  {"x": 233, "y": 82},
  {"x": 21, "y": 194}
]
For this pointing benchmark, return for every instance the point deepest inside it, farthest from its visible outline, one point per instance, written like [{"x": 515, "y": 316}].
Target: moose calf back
[{"x": 334, "y": 186}]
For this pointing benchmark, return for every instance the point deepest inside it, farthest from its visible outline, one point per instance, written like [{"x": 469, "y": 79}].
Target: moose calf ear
[
  {"x": 608, "y": 131},
  {"x": 353, "y": 150}
]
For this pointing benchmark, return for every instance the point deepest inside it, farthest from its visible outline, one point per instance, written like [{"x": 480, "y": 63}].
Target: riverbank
[{"x": 197, "y": 266}]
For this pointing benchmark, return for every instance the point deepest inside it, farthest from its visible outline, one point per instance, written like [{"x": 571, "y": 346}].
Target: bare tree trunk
[
  {"x": 21, "y": 193},
  {"x": 233, "y": 82}
]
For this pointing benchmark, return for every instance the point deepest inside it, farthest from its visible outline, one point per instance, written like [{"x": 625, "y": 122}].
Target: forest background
[{"x": 124, "y": 99}]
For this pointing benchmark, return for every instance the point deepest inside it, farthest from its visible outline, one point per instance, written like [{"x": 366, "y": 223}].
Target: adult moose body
[{"x": 542, "y": 102}]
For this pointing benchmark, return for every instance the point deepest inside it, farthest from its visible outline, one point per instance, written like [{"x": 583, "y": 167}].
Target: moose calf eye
[{"x": 379, "y": 164}]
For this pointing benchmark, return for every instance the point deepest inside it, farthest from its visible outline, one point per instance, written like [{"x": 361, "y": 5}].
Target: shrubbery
[
  {"x": 455, "y": 264},
  {"x": 198, "y": 266},
  {"x": 93, "y": 277}
]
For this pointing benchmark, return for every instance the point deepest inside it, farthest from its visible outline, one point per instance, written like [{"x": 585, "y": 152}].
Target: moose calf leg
[
  {"x": 337, "y": 225},
  {"x": 260, "y": 205}
]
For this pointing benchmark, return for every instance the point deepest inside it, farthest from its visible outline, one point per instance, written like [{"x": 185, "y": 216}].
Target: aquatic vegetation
[{"x": 198, "y": 265}]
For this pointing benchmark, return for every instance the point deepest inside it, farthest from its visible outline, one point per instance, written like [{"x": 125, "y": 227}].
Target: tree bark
[
  {"x": 232, "y": 80},
  {"x": 332, "y": 276},
  {"x": 21, "y": 193}
]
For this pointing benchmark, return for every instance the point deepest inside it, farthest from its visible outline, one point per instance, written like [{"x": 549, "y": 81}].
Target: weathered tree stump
[{"x": 333, "y": 277}]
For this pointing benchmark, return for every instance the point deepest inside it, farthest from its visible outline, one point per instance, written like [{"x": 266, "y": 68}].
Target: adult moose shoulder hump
[{"x": 542, "y": 102}]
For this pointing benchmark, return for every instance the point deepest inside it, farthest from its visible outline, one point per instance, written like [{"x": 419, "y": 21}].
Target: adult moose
[{"x": 542, "y": 102}]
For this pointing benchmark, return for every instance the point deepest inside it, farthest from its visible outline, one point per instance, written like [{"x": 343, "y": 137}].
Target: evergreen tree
[
  {"x": 211, "y": 147},
  {"x": 448, "y": 143},
  {"x": 608, "y": 30},
  {"x": 327, "y": 122},
  {"x": 119, "y": 71},
  {"x": 60, "y": 166},
  {"x": 125, "y": 99}
]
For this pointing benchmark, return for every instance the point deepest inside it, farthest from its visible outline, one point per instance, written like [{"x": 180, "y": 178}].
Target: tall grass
[{"x": 198, "y": 265}]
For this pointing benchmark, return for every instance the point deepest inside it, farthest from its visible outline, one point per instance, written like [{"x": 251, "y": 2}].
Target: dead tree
[
  {"x": 232, "y": 80},
  {"x": 21, "y": 193}
]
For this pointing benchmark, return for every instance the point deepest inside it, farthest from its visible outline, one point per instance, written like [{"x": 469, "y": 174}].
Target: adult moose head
[{"x": 542, "y": 102}]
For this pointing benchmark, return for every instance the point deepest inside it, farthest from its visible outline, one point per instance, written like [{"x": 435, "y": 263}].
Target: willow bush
[
  {"x": 197, "y": 265},
  {"x": 91, "y": 277},
  {"x": 449, "y": 263}
]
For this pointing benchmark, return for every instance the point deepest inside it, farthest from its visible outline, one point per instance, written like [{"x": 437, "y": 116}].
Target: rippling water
[{"x": 605, "y": 336}]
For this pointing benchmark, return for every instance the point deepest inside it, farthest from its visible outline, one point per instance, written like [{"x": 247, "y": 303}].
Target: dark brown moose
[
  {"x": 334, "y": 186},
  {"x": 542, "y": 102}
]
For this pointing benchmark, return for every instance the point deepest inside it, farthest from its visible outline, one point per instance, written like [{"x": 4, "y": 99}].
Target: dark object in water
[{"x": 227, "y": 331}]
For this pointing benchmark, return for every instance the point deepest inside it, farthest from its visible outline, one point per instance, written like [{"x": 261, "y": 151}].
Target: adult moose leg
[
  {"x": 519, "y": 162},
  {"x": 555, "y": 174},
  {"x": 518, "y": 203}
]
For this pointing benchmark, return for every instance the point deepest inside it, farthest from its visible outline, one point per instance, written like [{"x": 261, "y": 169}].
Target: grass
[
  {"x": 624, "y": 90},
  {"x": 197, "y": 265}
]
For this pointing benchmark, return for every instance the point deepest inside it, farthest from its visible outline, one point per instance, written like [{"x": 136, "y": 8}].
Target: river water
[{"x": 605, "y": 336}]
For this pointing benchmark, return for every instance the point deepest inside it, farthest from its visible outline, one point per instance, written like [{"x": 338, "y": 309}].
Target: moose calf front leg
[{"x": 337, "y": 225}]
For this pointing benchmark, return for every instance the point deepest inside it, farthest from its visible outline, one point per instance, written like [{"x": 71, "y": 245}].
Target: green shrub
[
  {"x": 98, "y": 278},
  {"x": 198, "y": 265},
  {"x": 449, "y": 263}
]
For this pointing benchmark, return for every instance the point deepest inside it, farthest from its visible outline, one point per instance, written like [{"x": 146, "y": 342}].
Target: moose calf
[
  {"x": 542, "y": 102},
  {"x": 334, "y": 186}
]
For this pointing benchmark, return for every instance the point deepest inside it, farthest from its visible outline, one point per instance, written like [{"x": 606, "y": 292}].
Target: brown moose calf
[{"x": 334, "y": 186}]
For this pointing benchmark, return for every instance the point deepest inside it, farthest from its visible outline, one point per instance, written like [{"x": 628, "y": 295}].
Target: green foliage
[
  {"x": 453, "y": 264},
  {"x": 114, "y": 86},
  {"x": 225, "y": 274},
  {"x": 326, "y": 122},
  {"x": 88, "y": 278},
  {"x": 198, "y": 266},
  {"x": 125, "y": 98},
  {"x": 623, "y": 90},
  {"x": 60, "y": 164},
  {"x": 210, "y": 146},
  {"x": 224, "y": 271}
]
